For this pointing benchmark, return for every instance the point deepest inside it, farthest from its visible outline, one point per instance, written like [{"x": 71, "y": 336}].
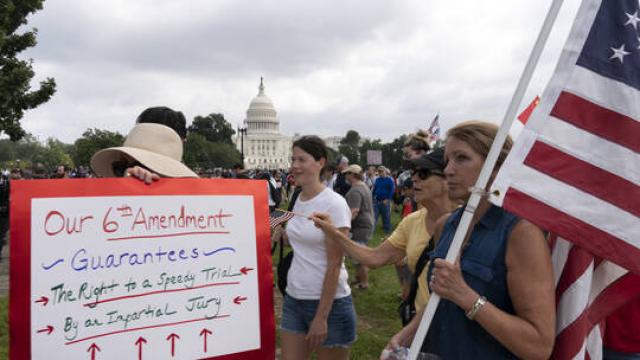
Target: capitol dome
[
  {"x": 262, "y": 115},
  {"x": 263, "y": 147}
]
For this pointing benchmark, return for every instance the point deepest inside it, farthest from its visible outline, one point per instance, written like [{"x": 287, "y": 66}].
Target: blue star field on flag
[{"x": 612, "y": 48}]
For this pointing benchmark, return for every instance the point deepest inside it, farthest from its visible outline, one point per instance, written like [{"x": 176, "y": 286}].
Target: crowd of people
[{"x": 498, "y": 297}]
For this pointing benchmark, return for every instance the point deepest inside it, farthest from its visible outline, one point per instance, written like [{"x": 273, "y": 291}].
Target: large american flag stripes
[
  {"x": 575, "y": 171},
  {"x": 587, "y": 290},
  {"x": 575, "y": 168}
]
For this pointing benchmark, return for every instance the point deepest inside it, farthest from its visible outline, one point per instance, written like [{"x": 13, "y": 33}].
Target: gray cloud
[{"x": 383, "y": 68}]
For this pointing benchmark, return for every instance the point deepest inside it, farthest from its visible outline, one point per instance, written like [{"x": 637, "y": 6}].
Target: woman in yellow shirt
[{"x": 414, "y": 231}]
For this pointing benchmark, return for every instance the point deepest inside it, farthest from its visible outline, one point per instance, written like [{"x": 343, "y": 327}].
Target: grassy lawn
[
  {"x": 376, "y": 309},
  {"x": 4, "y": 327}
]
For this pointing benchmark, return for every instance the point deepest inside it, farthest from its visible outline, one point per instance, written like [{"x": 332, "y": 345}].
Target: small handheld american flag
[{"x": 278, "y": 217}]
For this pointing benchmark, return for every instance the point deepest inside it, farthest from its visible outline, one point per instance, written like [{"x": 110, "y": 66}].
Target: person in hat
[
  {"x": 412, "y": 235},
  {"x": 165, "y": 116},
  {"x": 149, "y": 152},
  {"x": 340, "y": 184},
  {"x": 360, "y": 202}
]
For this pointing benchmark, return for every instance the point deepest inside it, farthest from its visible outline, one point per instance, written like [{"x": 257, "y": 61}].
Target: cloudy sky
[{"x": 383, "y": 67}]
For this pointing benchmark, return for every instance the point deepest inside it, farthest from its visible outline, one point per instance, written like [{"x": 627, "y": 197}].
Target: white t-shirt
[{"x": 309, "y": 265}]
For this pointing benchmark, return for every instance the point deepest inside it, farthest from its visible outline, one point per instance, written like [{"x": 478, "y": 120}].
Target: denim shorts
[{"x": 341, "y": 323}]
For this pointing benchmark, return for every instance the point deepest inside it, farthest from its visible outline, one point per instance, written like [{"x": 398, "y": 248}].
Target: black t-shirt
[{"x": 341, "y": 186}]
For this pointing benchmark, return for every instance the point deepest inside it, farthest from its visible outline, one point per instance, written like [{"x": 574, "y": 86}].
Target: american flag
[
  {"x": 575, "y": 171},
  {"x": 434, "y": 129},
  {"x": 587, "y": 290},
  {"x": 277, "y": 217}
]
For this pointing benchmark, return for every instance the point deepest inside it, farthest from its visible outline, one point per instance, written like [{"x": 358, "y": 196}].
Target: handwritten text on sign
[{"x": 147, "y": 277}]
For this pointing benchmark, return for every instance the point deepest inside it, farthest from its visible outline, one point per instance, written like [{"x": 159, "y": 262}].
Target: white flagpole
[{"x": 487, "y": 169}]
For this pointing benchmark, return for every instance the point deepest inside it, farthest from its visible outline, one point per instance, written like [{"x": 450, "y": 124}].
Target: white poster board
[{"x": 153, "y": 277}]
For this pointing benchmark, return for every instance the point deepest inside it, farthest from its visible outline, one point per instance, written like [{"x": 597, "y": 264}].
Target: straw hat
[
  {"x": 354, "y": 169},
  {"x": 155, "y": 146}
]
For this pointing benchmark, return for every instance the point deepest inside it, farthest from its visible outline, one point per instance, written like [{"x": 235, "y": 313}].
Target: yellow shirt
[{"x": 411, "y": 236}]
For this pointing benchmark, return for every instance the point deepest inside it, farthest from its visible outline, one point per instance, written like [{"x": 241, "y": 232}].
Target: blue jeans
[{"x": 383, "y": 210}]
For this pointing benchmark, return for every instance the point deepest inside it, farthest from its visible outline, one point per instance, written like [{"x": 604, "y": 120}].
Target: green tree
[
  {"x": 204, "y": 154},
  {"x": 392, "y": 153},
  {"x": 28, "y": 148},
  {"x": 55, "y": 153},
  {"x": 349, "y": 146},
  {"x": 213, "y": 127},
  {"x": 91, "y": 141},
  {"x": 332, "y": 155},
  {"x": 25, "y": 150},
  {"x": 224, "y": 155},
  {"x": 196, "y": 152},
  {"x": 15, "y": 74},
  {"x": 7, "y": 152}
]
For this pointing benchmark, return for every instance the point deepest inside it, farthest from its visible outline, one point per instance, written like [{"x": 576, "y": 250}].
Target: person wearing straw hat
[
  {"x": 410, "y": 239},
  {"x": 149, "y": 152},
  {"x": 165, "y": 116}
]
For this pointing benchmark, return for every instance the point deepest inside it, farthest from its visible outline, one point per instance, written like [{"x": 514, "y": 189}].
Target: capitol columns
[{"x": 242, "y": 131}]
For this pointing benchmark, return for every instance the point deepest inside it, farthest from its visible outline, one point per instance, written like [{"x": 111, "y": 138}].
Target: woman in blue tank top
[{"x": 498, "y": 299}]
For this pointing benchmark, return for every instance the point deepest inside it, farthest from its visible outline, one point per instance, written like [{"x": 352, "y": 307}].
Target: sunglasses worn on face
[{"x": 120, "y": 167}]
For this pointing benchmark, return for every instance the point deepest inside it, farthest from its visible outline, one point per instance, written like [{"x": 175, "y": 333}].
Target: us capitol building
[{"x": 264, "y": 146}]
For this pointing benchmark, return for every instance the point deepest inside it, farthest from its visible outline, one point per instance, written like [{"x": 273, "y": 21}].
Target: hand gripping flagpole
[{"x": 487, "y": 169}]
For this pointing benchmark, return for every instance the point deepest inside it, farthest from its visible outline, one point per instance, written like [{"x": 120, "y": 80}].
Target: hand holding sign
[{"x": 116, "y": 268}]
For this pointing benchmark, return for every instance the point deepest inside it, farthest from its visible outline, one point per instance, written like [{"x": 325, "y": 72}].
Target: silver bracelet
[{"x": 471, "y": 314}]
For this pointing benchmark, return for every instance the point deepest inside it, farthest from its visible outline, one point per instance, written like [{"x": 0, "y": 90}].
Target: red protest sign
[{"x": 113, "y": 268}]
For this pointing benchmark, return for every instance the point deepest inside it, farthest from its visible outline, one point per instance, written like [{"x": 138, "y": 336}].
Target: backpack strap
[
  {"x": 294, "y": 198},
  {"x": 422, "y": 262}
]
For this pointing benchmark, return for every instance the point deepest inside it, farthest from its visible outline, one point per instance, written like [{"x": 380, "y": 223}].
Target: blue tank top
[{"x": 452, "y": 335}]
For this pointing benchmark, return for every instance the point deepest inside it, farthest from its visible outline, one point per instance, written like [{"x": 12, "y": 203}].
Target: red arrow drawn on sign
[
  {"x": 48, "y": 330},
  {"x": 173, "y": 337},
  {"x": 139, "y": 343},
  {"x": 92, "y": 349},
  {"x": 204, "y": 333},
  {"x": 245, "y": 270},
  {"x": 239, "y": 299},
  {"x": 44, "y": 300}
]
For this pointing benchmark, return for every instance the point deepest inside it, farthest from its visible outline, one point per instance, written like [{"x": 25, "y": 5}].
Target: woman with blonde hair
[
  {"x": 416, "y": 145},
  {"x": 498, "y": 298}
]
